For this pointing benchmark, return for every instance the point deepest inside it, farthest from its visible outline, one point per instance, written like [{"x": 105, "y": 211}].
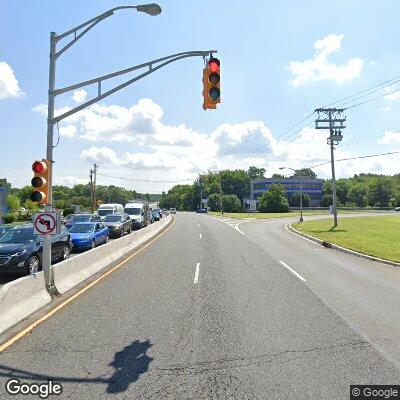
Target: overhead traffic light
[
  {"x": 40, "y": 181},
  {"x": 211, "y": 84}
]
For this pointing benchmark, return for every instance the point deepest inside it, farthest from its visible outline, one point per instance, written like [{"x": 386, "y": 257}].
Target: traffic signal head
[
  {"x": 211, "y": 84},
  {"x": 40, "y": 181}
]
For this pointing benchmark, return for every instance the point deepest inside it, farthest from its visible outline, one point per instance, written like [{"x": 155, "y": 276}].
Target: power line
[
  {"x": 144, "y": 180},
  {"x": 373, "y": 99},
  {"x": 357, "y": 158}
]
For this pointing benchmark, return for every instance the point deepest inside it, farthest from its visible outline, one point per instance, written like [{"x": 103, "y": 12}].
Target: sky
[{"x": 280, "y": 60}]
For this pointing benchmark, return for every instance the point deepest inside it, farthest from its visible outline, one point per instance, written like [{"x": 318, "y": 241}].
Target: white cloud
[
  {"x": 319, "y": 68},
  {"x": 390, "y": 138},
  {"x": 79, "y": 96},
  {"x": 68, "y": 131},
  {"x": 394, "y": 95},
  {"x": 70, "y": 180},
  {"x": 385, "y": 109},
  {"x": 9, "y": 85}
]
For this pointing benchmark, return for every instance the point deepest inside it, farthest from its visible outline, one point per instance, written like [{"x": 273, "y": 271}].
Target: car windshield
[
  {"x": 105, "y": 212},
  {"x": 113, "y": 218},
  {"x": 82, "y": 228},
  {"x": 18, "y": 236},
  {"x": 133, "y": 211},
  {"x": 155, "y": 212},
  {"x": 80, "y": 218}
]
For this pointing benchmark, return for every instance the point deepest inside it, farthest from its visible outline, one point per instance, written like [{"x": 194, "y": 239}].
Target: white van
[
  {"x": 106, "y": 209},
  {"x": 137, "y": 213}
]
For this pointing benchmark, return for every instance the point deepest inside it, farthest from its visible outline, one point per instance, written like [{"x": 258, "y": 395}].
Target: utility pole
[
  {"x": 332, "y": 119},
  {"x": 220, "y": 194},
  {"x": 95, "y": 166},
  {"x": 91, "y": 190}
]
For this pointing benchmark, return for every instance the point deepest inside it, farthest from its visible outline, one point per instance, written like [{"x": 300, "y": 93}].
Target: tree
[
  {"x": 380, "y": 192},
  {"x": 256, "y": 173},
  {"x": 357, "y": 194},
  {"x": 305, "y": 172},
  {"x": 278, "y": 176},
  {"x": 5, "y": 184},
  {"x": 214, "y": 202},
  {"x": 235, "y": 182},
  {"x": 294, "y": 200},
  {"x": 231, "y": 203},
  {"x": 327, "y": 200},
  {"x": 274, "y": 199},
  {"x": 13, "y": 203}
]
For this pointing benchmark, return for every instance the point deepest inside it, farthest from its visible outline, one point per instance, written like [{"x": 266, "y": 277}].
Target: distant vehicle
[
  {"x": 150, "y": 217},
  {"x": 138, "y": 214},
  {"x": 75, "y": 218},
  {"x": 172, "y": 210},
  {"x": 112, "y": 208},
  {"x": 155, "y": 214},
  {"x": 159, "y": 211},
  {"x": 397, "y": 209},
  {"x": 21, "y": 250},
  {"x": 88, "y": 235},
  {"x": 202, "y": 211},
  {"x": 118, "y": 224}
]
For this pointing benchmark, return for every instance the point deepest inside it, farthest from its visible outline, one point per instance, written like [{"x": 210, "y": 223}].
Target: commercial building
[{"x": 311, "y": 187}]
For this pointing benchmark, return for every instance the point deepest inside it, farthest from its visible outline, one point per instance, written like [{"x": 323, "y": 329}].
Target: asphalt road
[{"x": 203, "y": 313}]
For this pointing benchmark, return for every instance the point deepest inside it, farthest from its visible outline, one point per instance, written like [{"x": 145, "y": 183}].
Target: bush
[
  {"x": 10, "y": 218},
  {"x": 231, "y": 203},
  {"x": 294, "y": 200},
  {"x": 274, "y": 200},
  {"x": 67, "y": 211},
  {"x": 214, "y": 202},
  {"x": 327, "y": 200}
]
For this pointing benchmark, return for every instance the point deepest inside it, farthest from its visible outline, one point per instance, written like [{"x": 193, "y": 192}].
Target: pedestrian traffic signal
[
  {"x": 211, "y": 84},
  {"x": 40, "y": 181}
]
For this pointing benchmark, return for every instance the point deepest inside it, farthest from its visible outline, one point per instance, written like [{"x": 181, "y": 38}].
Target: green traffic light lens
[
  {"x": 36, "y": 196},
  {"x": 214, "y": 93}
]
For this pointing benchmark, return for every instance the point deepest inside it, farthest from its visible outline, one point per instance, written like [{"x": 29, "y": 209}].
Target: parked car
[
  {"x": 172, "y": 210},
  {"x": 202, "y": 211},
  {"x": 159, "y": 211},
  {"x": 397, "y": 209},
  {"x": 75, "y": 218},
  {"x": 4, "y": 229},
  {"x": 112, "y": 208},
  {"x": 88, "y": 235},
  {"x": 155, "y": 214},
  {"x": 21, "y": 250},
  {"x": 138, "y": 213},
  {"x": 118, "y": 224}
]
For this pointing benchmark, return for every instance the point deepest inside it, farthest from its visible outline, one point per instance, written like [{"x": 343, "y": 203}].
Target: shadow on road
[{"x": 129, "y": 364}]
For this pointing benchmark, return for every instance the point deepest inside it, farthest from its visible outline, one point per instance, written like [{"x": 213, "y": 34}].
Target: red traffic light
[
  {"x": 213, "y": 65},
  {"x": 39, "y": 167}
]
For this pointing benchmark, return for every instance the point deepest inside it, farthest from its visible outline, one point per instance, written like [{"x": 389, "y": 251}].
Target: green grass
[
  {"x": 376, "y": 236},
  {"x": 268, "y": 215}
]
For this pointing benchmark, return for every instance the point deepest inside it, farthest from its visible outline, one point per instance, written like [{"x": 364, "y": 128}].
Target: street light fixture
[
  {"x": 301, "y": 194},
  {"x": 151, "y": 9}
]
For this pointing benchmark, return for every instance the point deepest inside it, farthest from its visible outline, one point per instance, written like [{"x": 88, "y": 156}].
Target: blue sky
[{"x": 335, "y": 52}]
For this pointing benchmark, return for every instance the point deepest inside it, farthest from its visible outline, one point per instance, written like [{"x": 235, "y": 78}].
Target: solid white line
[
  {"x": 196, "y": 275},
  {"x": 198, "y": 225},
  {"x": 293, "y": 271},
  {"x": 238, "y": 229},
  {"x": 301, "y": 237},
  {"x": 200, "y": 235}
]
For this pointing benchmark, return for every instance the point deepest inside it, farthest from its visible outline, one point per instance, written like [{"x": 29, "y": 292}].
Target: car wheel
[
  {"x": 93, "y": 244},
  {"x": 33, "y": 265},
  {"x": 106, "y": 239},
  {"x": 66, "y": 253}
]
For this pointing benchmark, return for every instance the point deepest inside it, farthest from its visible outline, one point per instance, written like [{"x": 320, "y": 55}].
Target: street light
[
  {"x": 301, "y": 194},
  {"x": 151, "y": 9}
]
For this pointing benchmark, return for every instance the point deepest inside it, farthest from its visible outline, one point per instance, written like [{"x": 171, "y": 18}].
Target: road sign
[{"x": 47, "y": 223}]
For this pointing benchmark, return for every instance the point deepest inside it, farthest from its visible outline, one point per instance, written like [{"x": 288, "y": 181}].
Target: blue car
[{"x": 88, "y": 235}]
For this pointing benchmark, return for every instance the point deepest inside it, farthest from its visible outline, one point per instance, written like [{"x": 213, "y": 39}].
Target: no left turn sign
[{"x": 45, "y": 223}]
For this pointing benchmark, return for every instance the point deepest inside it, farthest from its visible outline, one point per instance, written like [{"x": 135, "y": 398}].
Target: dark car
[
  {"x": 155, "y": 214},
  {"x": 118, "y": 224},
  {"x": 201, "y": 211},
  {"x": 75, "y": 218},
  {"x": 88, "y": 235},
  {"x": 159, "y": 211},
  {"x": 21, "y": 250}
]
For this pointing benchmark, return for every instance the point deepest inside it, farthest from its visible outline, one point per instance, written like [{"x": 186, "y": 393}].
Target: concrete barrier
[
  {"x": 21, "y": 298},
  {"x": 72, "y": 272}
]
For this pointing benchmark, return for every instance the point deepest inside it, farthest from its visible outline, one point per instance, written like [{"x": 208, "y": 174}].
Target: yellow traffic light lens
[
  {"x": 37, "y": 182},
  {"x": 214, "y": 79}
]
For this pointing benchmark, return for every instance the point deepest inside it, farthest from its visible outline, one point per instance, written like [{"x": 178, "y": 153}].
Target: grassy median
[
  {"x": 376, "y": 236},
  {"x": 268, "y": 215}
]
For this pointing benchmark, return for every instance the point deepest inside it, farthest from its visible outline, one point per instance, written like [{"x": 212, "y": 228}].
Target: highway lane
[
  {"x": 202, "y": 313},
  {"x": 365, "y": 293}
]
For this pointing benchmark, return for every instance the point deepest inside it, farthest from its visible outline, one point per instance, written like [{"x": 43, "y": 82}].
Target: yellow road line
[{"x": 32, "y": 326}]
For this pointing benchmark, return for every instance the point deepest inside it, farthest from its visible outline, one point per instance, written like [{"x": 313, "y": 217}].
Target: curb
[{"x": 342, "y": 249}]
